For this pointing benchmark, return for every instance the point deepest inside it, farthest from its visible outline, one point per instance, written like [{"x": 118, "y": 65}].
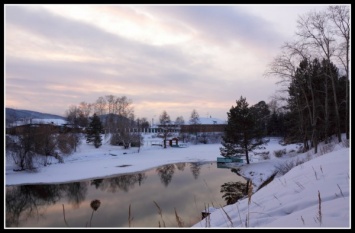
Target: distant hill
[{"x": 18, "y": 114}]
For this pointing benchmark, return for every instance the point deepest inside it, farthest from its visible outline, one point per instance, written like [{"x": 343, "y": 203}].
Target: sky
[
  {"x": 289, "y": 201},
  {"x": 162, "y": 57}
]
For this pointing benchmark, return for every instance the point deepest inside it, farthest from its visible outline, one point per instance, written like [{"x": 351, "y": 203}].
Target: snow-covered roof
[
  {"x": 209, "y": 121},
  {"x": 40, "y": 121}
]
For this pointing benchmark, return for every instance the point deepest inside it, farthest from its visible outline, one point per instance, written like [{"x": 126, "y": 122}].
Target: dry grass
[
  {"x": 130, "y": 218},
  {"x": 345, "y": 143},
  {"x": 250, "y": 193},
  {"x": 178, "y": 219},
  {"x": 265, "y": 154},
  {"x": 240, "y": 217},
  {"x": 65, "y": 221},
  {"x": 341, "y": 192},
  {"x": 315, "y": 173},
  {"x": 208, "y": 218},
  {"x": 319, "y": 217},
  {"x": 267, "y": 181},
  {"x": 160, "y": 214},
  {"x": 283, "y": 168},
  {"x": 302, "y": 220},
  {"x": 327, "y": 148}
]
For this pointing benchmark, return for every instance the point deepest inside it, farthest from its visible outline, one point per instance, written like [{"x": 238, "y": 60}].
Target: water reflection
[
  {"x": 233, "y": 191},
  {"x": 123, "y": 182},
  {"x": 126, "y": 200},
  {"x": 195, "y": 169},
  {"x": 166, "y": 173}
]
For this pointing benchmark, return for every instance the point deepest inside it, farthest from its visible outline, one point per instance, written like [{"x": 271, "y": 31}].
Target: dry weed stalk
[
  {"x": 160, "y": 213},
  {"x": 65, "y": 221},
  {"x": 250, "y": 192},
  {"x": 277, "y": 199},
  {"x": 319, "y": 208},
  {"x": 228, "y": 217},
  {"x": 129, "y": 216},
  {"x": 208, "y": 218},
  {"x": 341, "y": 192},
  {"x": 240, "y": 217},
  {"x": 178, "y": 219},
  {"x": 315, "y": 173},
  {"x": 299, "y": 184}
]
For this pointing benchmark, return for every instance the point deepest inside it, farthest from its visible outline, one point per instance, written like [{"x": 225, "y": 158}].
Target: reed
[
  {"x": 160, "y": 213},
  {"x": 130, "y": 218},
  {"x": 319, "y": 208},
  {"x": 250, "y": 193},
  {"x": 178, "y": 219}
]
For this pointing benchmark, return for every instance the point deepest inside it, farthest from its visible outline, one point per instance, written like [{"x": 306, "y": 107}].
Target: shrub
[
  {"x": 345, "y": 143},
  {"x": 265, "y": 155},
  {"x": 283, "y": 168},
  {"x": 326, "y": 148},
  {"x": 279, "y": 153},
  {"x": 300, "y": 150}
]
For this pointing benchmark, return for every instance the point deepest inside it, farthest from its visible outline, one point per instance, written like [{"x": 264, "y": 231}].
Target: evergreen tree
[
  {"x": 242, "y": 133},
  {"x": 93, "y": 132}
]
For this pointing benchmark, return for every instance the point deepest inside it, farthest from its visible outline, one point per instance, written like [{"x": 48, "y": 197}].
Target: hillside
[{"x": 17, "y": 114}]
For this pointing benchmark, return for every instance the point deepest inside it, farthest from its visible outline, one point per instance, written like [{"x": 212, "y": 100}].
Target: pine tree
[
  {"x": 242, "y": 133},
  {"x": 93, "y": 132}
]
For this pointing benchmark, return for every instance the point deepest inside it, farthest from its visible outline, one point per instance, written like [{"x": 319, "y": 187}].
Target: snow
[
  {"x": 289, "y": 201},
  {"x": 40, "y": 121},
  {"x": 209, "y": 121}
]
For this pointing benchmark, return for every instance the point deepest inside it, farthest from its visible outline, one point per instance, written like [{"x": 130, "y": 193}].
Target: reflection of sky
[{"x": 185, "y": 193}]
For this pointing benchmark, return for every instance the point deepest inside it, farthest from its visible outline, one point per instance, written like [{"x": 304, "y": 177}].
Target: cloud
[
  {"x": 173, "y": 58},
  {"x": 223, "y": 23}
]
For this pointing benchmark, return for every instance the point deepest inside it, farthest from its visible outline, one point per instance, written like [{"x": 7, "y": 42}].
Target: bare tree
[
  {"x": 142, "y": 123},
  {"x": 72, "y": 116},
  {"x": 165, "y": 124},
  {"x": 315, "y": 30},
  {"x": 340, "y": 17},
  {"x": 194, "y": 122},
  {"x": 66, "y": 142},
  {"x": 120, "y": 120},
  {"x": 24, "y": 152},
  {"x": 100, "y": 106},
  {"x": 109, "y": 123},
  {"x": 85, "y": 111},
  {"x": 179, "y": 121},
  {"x": 285, "y": 67},
  {"x": 45, "y": 141}
]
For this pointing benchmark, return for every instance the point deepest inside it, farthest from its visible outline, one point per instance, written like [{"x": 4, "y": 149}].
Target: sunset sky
[{"x": 163, "y": 57}]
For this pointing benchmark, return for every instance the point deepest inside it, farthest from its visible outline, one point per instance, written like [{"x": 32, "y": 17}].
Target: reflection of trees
[
  {"x": 236, "y": 171},
  {"x": 141, "y": 178},
  {"x": 75, "y": 192},
  {"x": 97, "y": 183},
  {"x": 28, "y": 201},
  {"x": 123, "y": 182},
  {"x": 195, "y": 169},
  {"x": 166, "y": 173},
  {"x": 181, "y": 166},
  {"x": 233, "y": 191}
]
